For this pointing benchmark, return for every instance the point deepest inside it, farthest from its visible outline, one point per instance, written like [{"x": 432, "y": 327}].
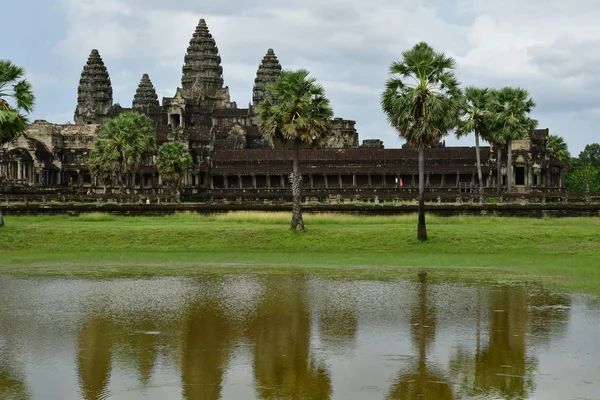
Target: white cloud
[{"x": 546, "y": 46}]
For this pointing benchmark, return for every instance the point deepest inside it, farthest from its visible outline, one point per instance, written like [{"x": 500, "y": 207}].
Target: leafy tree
[
  {"x": 590, "y": 155},
  {"x": 120, "y": 147},
  {"x": 173, "y": 160},
  {"x": 423, "y": 101},
  {"x": 475, "y": 119},
  {"x": 557, "y": 147},
  {"x": 16, "y": 101},
  {"x": 296, "y": 111},
  {"x": 583, "y": 177},
  {"x": 511, "y": 108}
]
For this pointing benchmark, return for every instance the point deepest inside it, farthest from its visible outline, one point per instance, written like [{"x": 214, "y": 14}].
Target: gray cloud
[{"x": 545, "y": 46}]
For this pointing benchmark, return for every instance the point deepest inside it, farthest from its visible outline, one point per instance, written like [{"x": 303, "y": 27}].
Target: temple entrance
[{"x": 520, "y": 176}]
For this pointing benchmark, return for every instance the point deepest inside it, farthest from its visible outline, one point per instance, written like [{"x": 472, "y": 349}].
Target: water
[{"x": 293, "y": 337}]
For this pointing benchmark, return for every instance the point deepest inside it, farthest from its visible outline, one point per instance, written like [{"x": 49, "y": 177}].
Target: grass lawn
[{"x": 560, "y": 253}]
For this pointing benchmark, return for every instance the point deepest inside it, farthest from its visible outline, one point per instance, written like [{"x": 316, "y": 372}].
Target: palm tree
[
  {"x": 16, "y": 100},
  {"x": 474, "y": 120},
  {"x": 121, "y": 145},
  {"x": 425, "y": 110},
  {"x": 296, "y": 111},
  {"x": 172, "y": 162},
  {"x": 511, "y": 107},
  {"x": 557, "y": 147}
]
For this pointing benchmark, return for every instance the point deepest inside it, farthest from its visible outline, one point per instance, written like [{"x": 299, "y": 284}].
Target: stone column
[
  {"x": 370, "y": 185},
  {"x": 340, "y": 181},
  {"x": 427, "y": 180},
  {"x": 443, "y": 180},
  {"x": 412, "y": 182},
  {"x": 225, "y": 181},
  {"x": 326, "y": 182},
  {"x": 19, "y": 170},
  {"x": 353, "y": 180},
  {"x": 268, "y": 181},
  {"x": 310, "y": 179},
  {"x": 383, "y": 180},
  {"x": 240, "y": 181},
  {"x": 253, "y": 181},
  {"x": 282, "y": 179},
  {"x": 458, "y": 179}
]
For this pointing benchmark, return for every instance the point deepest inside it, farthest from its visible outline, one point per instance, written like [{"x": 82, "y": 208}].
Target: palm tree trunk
[
  {"x": 1, "y": 219},
  {"x": 297, "y": 221},
  {"x": 478, "y": 156},
  {"x": 498, "y": 168},
  {"x": 509, "y": 167},
  {"x": 422, "y": 228}
]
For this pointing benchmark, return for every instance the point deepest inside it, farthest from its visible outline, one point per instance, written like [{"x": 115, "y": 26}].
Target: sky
[{"x": 548, "y": 47}]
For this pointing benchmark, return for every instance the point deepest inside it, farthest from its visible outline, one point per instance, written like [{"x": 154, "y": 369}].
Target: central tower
[{"x": 202, "y": 70}]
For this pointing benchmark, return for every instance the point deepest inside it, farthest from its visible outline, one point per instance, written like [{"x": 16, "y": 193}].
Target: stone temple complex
[{"x": 228, "y": 151}]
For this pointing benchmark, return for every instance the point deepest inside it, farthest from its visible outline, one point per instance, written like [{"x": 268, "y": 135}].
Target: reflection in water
[
  {"x": 94, "y": 354},
  {"x": 290, "y": 337},
  {"x": 283, "y": 366},
  {"x": 420, "y": 380},
  {"x": 503, "y": 366},
  {"x": 205, "y": 351},
  {"x": 12, "y": 386}
]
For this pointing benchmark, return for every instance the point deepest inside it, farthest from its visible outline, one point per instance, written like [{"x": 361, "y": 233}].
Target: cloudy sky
[{"x": 546, "y": 46}]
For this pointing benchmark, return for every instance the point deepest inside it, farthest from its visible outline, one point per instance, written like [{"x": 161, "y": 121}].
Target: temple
[{"x": 228, "y": 151}]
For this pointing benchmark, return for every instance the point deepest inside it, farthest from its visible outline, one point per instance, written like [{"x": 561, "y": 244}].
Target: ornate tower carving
[
  {"x": 145, "y": 95},
  {"x": 268, "y": 71},
  {"x": 95, "y": 94},
  {"x": 202, "y": 70}
]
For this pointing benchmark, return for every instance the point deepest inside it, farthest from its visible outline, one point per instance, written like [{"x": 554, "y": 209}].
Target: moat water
[{"x": 293, "y": 337}]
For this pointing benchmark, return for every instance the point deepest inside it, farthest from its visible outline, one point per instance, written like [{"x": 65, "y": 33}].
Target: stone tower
[
  {"x": 202, "y": 70},
  {"x": 268, "y": 71},
  {"x": 145, "y": 95},
  {"x": 95, "y": 94}
]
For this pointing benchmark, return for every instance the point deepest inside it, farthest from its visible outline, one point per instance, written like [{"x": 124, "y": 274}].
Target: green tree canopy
[
  {"x": 475, "y": 119},
  {"x": 121, "y": 145},
  {"x": 173, "y": 160},
  {"x": 16, "y": 101},
  {"x": 510, "y": 120},
  {"x": 423, "y": 101},
  {"x": 590, "y": 155},
  {"x": 296, "y": 111},
  {"x": 558, "y": 148}
]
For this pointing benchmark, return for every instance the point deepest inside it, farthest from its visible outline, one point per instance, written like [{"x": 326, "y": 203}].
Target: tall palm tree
[
  {"x": 474, "y": 119},
  {"x": 422, "y": 101},
  {"x": 120, "y": 146},
  {"x": 16, "y": 101},
  {"x": 511, "y": 120},
  {"x": 296, "y": 111},
  {"x": 557, "y": 147},
  {"x": 173, "y": 160}
]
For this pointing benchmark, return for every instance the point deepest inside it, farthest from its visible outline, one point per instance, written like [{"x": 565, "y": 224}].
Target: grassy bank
[{"x": 563, "y": 253}]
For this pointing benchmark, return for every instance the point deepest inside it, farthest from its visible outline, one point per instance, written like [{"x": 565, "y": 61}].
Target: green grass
[{"x": 561, "y": 253}]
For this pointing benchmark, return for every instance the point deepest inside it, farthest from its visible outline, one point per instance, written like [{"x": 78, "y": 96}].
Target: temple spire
[
  {"x": 145, "y": 95},
  {"x": 202, "y": 70},
  {"x": 94, "y": 94},
  {"x": 268, "y": 71}
]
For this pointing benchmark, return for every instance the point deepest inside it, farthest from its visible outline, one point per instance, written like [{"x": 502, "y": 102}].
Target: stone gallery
[{"x": 228, "y": 150}]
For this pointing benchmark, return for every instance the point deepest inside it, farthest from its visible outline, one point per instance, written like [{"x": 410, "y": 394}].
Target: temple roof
[
  {"x": 94, "y": 85},
  {"x": 202, "y": 64},
  {"x": 268, "y": 71},
  {"x": 145, "y": 94}
]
